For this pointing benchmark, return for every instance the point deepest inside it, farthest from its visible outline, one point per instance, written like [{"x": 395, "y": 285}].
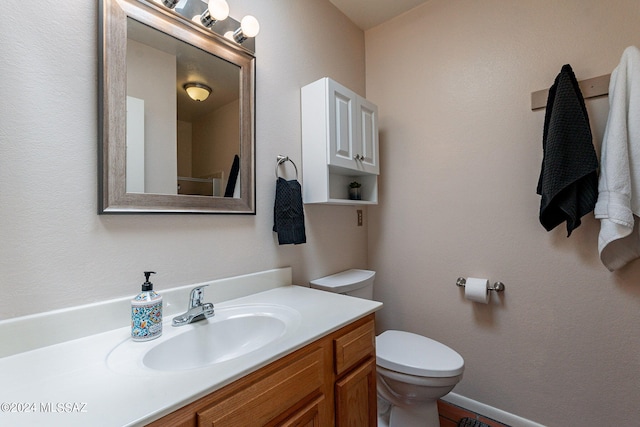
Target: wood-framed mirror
[{"x": 161, "y": 151}]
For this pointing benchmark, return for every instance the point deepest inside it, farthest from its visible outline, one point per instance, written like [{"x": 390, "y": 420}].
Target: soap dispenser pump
[{"x": 146, "y": 312}]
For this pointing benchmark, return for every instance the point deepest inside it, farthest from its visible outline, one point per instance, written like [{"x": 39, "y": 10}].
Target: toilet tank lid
[
  {"x": 418, "y": 355},
  {"x": 345, "y": 281}
]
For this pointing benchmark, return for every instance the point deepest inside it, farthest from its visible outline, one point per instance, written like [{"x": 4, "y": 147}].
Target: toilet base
[
  {"x": 384, "y": 412},
  {"x": 423, "y": 415}
]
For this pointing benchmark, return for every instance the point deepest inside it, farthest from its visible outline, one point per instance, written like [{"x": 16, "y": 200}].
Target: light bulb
[
  {"x": 250, "y": 26},
  {"x": 219, "y": 9}
]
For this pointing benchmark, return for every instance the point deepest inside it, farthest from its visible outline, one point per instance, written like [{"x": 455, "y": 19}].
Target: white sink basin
[{"x": 233, "y": 332}]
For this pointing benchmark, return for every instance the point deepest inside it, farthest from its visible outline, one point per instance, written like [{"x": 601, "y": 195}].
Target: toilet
[{"x": 413, "y": 371}]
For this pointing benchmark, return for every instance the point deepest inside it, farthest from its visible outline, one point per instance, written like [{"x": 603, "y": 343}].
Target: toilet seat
[{"x": 414, "y": 354}]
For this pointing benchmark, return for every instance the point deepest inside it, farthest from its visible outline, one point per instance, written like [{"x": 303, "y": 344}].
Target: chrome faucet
[{"x": 197, "y": 309}]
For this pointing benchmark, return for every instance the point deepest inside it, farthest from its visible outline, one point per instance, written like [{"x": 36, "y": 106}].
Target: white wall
[
  {"x": 151, "y": 76},
  {"x": 57, "y": 252},
  {"x": 460, "y": 159}
]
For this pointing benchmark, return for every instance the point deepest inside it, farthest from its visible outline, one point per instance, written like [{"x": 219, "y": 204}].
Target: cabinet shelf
[{"x": 345, "y": 202}]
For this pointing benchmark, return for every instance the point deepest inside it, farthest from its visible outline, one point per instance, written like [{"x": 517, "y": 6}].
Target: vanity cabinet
[
  {"x": 339, "y": 144},
  {"x": 355, "y": 369},
  {"x": 328, "y": 382}
]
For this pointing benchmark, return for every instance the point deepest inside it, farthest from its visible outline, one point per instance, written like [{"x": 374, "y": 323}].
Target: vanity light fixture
[
  {"x": 218, "y": 10},
  {"x": 170, "y": 3},
  {"x": 207, "y": 13},
  {"x": 249, "y": 27},
  {"x": 197, "y": 91}
]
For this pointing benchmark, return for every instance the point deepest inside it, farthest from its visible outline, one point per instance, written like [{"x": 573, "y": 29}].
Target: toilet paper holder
[{"x": 497, "y": 286}]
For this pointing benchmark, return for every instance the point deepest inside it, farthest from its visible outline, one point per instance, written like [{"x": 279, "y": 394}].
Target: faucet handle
[{"x": 196, "y": 297}]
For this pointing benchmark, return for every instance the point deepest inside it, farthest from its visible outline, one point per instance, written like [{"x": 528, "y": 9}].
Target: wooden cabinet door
[
  {"x": 309, "y": 416},
  {"x": 262, "y": 402},
  {"x": 356, "y": 400}
]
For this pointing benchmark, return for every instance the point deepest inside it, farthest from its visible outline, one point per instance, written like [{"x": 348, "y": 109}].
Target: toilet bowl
[{"x": 413, "y": 371}]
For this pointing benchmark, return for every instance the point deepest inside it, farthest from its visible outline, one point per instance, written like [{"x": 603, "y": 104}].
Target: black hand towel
[
  {"x": 288, "y": 214},
  {"x": 568, "y": 180}
]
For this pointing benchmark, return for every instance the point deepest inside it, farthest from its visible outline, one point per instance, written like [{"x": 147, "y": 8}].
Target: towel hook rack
[{"x": 280, "y": 160}]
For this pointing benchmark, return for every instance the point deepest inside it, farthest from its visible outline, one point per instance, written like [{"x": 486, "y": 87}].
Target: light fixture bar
[
  {"x": 212, "y": 13},
  {"x": 207, "y": 20},
  {"x": 170, "y": 3}
]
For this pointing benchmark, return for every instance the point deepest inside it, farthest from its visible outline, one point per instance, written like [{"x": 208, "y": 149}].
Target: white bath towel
[{"x": 618, "y": 203}]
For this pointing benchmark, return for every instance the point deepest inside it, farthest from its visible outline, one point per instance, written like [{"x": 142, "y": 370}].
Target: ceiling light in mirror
[{"x": 197, "y": 91}]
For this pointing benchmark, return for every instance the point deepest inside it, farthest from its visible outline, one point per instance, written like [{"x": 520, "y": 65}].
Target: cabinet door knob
[{"x": 358, "y": 157}]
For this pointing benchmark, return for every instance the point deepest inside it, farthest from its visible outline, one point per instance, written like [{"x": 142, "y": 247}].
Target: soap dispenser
[{"x": 146, "y": 312}]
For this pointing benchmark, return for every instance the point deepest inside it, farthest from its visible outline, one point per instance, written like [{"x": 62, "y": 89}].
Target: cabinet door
[
  {"x": 264, "y": 401},
  {"x": 309, "y": 416},
  {"x": 356, "y": 401},
  {"x": 342, "y": 125},
  {"x": 353, "y": 130},
  {"x": 366, "y": 147}
]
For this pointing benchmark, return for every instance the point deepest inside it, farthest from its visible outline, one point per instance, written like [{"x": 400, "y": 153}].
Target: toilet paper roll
[{"x": 477, "y": 290}]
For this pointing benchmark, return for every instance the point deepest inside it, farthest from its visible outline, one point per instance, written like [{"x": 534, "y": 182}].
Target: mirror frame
[{"x": 112, "y": 195}]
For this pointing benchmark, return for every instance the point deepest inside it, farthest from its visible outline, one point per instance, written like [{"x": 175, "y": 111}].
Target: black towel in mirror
[
  {"x": 233, "y": 177},
  {"x": 568, "y": 180},
  {"x": 288, "y": 213}
]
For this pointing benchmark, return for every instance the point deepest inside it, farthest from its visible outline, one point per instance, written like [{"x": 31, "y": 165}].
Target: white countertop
[{"x": 71, "y": 384}]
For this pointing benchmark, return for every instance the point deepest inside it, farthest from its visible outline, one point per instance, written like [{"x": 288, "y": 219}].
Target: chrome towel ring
[{"x": 280, "y": 160}]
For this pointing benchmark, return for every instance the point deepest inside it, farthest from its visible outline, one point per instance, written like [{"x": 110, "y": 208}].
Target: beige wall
[
  {"x": 57, "y": 252},
  {"x": 216, "y": 139},
  {"x": 460, "y": 159}
]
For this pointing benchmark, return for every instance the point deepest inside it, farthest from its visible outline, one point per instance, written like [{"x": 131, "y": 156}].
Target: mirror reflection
[{"x": 177, "y": 143}]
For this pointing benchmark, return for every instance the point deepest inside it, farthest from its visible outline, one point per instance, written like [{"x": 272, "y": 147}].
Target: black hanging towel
[
  {"x": 288, "y": 213},
  {"x": 568, "y": 180}
]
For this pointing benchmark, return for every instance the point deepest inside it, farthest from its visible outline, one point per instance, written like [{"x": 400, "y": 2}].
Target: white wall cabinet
[{"x": 339, "y": 144}]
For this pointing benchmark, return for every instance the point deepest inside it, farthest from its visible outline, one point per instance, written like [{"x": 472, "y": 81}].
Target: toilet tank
[{"x": 356, "y": 283}]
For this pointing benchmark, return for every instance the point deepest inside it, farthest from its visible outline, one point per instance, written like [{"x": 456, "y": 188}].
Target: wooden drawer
[
  {"x": 354, "y": 346},
  {"x": 273, "y": 396}
]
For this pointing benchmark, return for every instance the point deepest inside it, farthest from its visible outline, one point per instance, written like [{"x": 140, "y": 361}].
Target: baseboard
[{"x": 489, "y": 411}]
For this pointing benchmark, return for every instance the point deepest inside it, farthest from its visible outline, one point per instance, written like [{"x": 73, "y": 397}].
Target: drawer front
[
  {"x": 261, "y": 402},
  {"x": 354, "y": 346}
]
